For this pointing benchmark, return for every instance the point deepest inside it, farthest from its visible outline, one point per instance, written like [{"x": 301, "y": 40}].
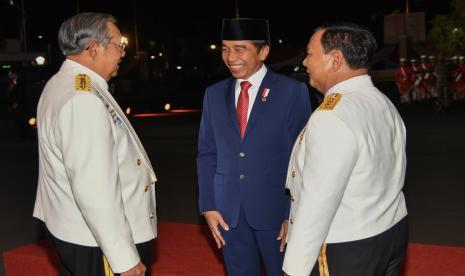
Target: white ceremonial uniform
[
  {"x": 346, "y": 173},
  {"x": 96, "y": 184}
]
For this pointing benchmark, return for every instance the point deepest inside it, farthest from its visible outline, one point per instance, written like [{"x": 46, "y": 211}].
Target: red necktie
[{"x": 243, "y": 106}]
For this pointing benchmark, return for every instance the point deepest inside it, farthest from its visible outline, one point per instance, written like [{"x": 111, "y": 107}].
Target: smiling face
[
  {"x": 318, "y": 63},
  {"x": 242, "y": 57}
]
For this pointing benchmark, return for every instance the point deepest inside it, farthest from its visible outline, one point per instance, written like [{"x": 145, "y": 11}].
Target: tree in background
[{"x": 447, "y": 34}]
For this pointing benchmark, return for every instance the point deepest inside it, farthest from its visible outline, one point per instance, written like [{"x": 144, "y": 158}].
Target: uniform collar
[
  {"x": 73, "y": 68},
  {"x": 350, "y": 85}
]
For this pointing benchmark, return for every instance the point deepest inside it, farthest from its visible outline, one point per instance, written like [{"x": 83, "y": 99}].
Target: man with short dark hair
[
  {"x": 249, "y": 123},
  {"x": 347, "y": 168},
  {"x": 96, "y": 190}
]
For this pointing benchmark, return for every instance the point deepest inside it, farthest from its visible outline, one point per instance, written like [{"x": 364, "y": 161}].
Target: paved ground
[{"x": 435, "y": 182}]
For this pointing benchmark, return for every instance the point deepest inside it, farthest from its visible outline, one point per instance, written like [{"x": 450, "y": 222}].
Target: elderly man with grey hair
[{"x": 96, "y": 190}]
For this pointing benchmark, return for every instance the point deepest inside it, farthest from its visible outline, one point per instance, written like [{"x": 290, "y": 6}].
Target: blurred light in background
[
  {"x": 32, "y": 121},
  {"x": 40, "y": 60}
]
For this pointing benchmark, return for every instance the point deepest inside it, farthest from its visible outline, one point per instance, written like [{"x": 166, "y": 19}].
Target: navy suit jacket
[{"x": 252, "y": 171}]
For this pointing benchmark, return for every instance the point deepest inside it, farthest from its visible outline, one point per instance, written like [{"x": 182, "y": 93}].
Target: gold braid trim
[
  {"x": 106, "y": 267},
  {"x": 323, "y": 262},
  {"x": 82, "y": 83},
  {"x": 330, "y": 102}
]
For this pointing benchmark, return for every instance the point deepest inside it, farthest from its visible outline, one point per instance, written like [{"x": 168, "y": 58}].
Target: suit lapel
[
  {"x": 259, "y": 106},
  {"x": 231, "y": 104}
]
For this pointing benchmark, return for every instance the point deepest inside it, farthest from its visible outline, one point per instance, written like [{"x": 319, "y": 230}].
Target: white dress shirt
[{"x": 256, "y": 80}]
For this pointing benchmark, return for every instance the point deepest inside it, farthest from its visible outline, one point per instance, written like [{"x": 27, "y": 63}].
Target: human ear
[
  {"x": 264, "y": 51},
  {"x": 92, "y": 49},
  {"x": 337, "y": 58}
]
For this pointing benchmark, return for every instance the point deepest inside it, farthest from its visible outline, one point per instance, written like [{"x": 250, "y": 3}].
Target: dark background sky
[{"x": 163, "y": 21}]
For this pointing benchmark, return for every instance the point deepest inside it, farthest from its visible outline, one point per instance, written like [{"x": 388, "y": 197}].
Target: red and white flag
[{"x": 265, "y": 93}]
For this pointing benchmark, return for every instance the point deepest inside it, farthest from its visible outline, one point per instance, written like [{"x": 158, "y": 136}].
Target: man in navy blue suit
[{"x": 248, "y": 127}]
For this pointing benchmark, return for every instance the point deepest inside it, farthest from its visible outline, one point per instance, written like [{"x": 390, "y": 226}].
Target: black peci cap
[{"x": 245, "y": 29}]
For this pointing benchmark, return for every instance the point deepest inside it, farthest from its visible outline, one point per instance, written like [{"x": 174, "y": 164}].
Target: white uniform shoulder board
[
  {"x": 82, "y": 83},
  {"x": 330, "y": 102}
]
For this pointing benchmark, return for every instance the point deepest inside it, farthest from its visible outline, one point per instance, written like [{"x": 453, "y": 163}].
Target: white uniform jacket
[
  {"x": 346, "y": 173},
  {"x": 96, "y": 184}
]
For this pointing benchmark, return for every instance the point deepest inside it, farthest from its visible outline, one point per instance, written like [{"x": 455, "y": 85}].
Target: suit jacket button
[
  {"x": 241, "y": 176},
  {"x": 292, "y": 198},
  {"x": 241, "y": 154},
  {"x": 151, "y": 216},
  {"x": 146, "y": 188},
  {"x": 293, "y": 173},
  {"x": 292, "y": 221},
  {"x": 138, "y": 162}
]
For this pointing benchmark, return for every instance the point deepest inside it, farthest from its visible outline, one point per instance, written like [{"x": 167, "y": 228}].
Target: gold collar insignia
[
  {"x": 330, "y": 102},
  {"x": 82, "y": 82}
]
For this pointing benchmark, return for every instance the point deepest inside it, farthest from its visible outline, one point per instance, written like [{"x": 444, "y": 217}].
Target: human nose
[{"x": 231, "y": 56}]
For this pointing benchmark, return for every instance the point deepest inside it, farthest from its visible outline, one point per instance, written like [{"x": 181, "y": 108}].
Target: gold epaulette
[
  {"x": 330, "y": 102},
  {"x": 82, "y": 83}
]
